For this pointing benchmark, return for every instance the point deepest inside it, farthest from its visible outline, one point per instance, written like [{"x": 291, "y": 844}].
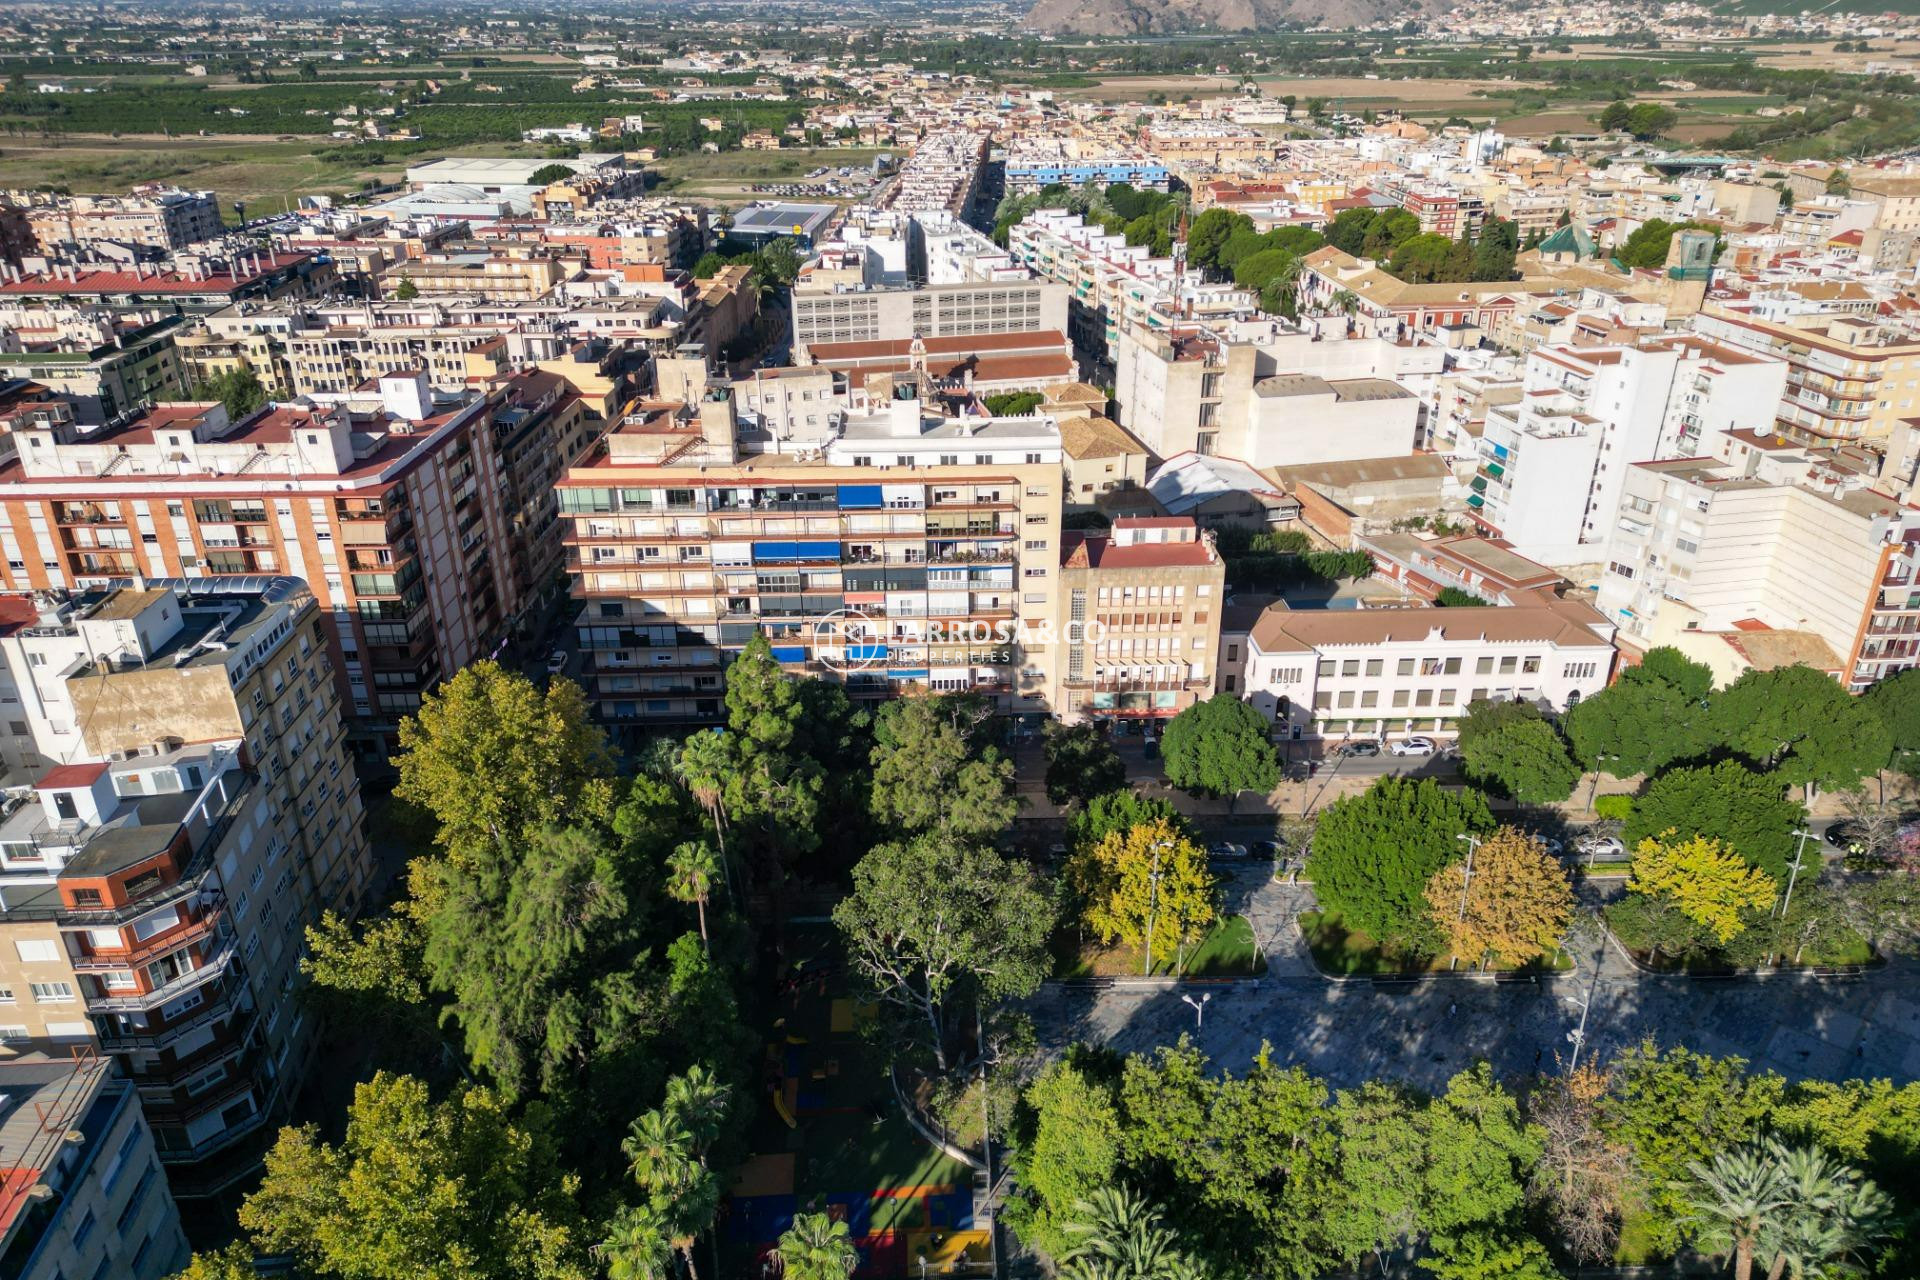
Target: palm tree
[
  {"x": 1737, "y": 1200},
  {"x": 816, "y": 1247},
  {"x": 698, "y": 1100},
  {"x": 703, "y": 767},
  {"x": 638, "y": 1248},
  {"x": 1120, "y": 1235},
  {"x": 1831, "y": 1213},
  {"x": 691, "y": 868},
  {"x": 660, "y": 1153}
]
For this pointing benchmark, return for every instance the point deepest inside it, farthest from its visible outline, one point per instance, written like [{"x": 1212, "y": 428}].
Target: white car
[
  {"x": 556, "y": 661},
  {"x": 1413, "y": 747},
  {"x": 1598, "y": 847}
]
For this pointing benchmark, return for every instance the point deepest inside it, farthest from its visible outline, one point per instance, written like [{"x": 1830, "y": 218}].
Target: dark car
[
  {"x": 1355, "y": 749},
  {"x": 1843, "y": 836}
]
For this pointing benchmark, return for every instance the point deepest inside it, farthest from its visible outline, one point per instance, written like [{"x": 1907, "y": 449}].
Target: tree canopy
[
  {"x": 1512, "y": 747},
  {"x": 1219, "y": 747},
  {"x": 1374, "y": 853},
  {"x": 1514, "y": 909}
]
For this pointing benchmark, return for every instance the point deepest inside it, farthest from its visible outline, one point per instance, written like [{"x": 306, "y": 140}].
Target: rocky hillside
[{"x": 1141, "y": 17}]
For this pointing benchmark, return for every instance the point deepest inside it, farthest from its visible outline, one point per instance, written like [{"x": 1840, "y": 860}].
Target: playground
[{"x": 828, "y": 1137}]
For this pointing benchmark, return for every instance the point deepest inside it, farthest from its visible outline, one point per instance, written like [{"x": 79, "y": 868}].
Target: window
[
  {"x": 1507, "y": 665},
  {"x": 52, "y": 992},
  {"x": 1423, "y": 698},
  {"x": 83, "y": 1230},
  {"x": 1623, "y": 570},
  {"x": 1399, "y": 697},
  {"x": 1374, "y": 666},
  {"x": 1452, "y": 667},
  {"x": 1405, "y": 667},
  {"x": 1350, "y": 668},
  {"x": 1483, "y": 667},
  {"x": 1326, "y": 668},
  {"x": 6, "y": 995},
  {"x": 1370, "y": 698},
  {"x": 37, "y": 950},
  {"x": 1580, "y": 670}
]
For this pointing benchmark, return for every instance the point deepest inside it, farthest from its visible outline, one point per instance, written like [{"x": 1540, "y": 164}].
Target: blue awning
[
  {"x": 860, "y": 495},
  {"x": 865, "y": 652},
  {"x": 777, "y": 551}
]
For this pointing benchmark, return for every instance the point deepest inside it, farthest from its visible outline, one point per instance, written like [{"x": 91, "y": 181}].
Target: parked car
[
  {"x": 1226, "y": 849},
  {"x": 1843, "y": 836},
  {"x": 1413, "y": 747},
  {"x": 1357, "y": 749},
  {"x": 1599, "y": 847},
  {"x": 1552, "y": 844},
  {"x": 1268, "y": 849},
  {"x": 556, "y": 661}
]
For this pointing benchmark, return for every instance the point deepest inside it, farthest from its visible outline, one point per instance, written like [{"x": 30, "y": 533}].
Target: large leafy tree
[
  {"x": 1147, "y": 884},
  {"x": 1081, "y": 764},
  {"x": 419, "y": 1190},
  {"x": 1071, "y": 1148},
  {"x": 1479, "y": 1154},
  {"x": 1361, "y": 1188},
  {"x": 934, "y": 918},
  {"x": 1653, "y": 715},
  {"x": 1709, "y": 884},
  {"x": 1803, "y": 727},
  {"x": 1515, "y": 907},
  {"x": 1511, "y": 746},
  {"x": 1121, "y": 811},
  {"x": 1896, "y": 700},
  {"x": 1219, "y": 748},
  {"x": 934, "y": 769},
  {"x": 492, "y": 758},
  {"x": 1728, "y": 802},
  {"x": 1673, "y": 1107},
  {"x": 1374, "y": 853}
]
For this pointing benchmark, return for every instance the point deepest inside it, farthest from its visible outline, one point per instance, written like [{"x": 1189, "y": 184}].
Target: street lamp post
[
  {"x": 1466, "y": 882},
  {"x": 1153, "y": 902},
  {"x": 1578, "y": 1036},
  {"x": 1793, "y": 872},
  {"x": 1593, "y": 791},
  {"x": 1199, "y": 1008}
]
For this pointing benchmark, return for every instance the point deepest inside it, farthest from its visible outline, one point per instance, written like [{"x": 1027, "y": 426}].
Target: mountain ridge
[{"x": 1165, "y": 17}]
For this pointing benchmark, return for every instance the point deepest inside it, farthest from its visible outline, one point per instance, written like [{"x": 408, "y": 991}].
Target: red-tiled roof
[
  {"x": 93, "y": 280},
  {"x": 66, "y": 776}
]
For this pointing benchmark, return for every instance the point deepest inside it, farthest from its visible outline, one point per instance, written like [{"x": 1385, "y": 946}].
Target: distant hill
[{"x": 1158, "y": 17}]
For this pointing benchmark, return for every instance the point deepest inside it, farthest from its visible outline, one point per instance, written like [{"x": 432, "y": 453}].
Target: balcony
[{"x": 210, "y": 969}]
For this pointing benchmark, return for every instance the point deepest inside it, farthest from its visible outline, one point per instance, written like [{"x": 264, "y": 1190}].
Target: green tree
[
  {"x": 1209, "y": 233},
  {"x": 492, "y": 757},
  {"x": 1831, "y": 1215},
  {"x": 1800, "y": 724},
  {"x": 1072, "y": 1148},
  {"x": 547, "y": 174},
  {"x": 1736, "y": 1199},
  {"x": 637, "y": 1247},
  {"x": 934, "y": 772},
  {"x": 1423, "y": 259},
  {"x": 419, "y": 1190},
  {"x": 1490, "y": 1253},
  {"x": 1653, "y": 715},
  {"x": 1896, "y": 700},
  {"x": 1494, "y": 251},
  {"x": 406, "y": 290},
  {"x": 1709, "y": 884},
  {"x": 1615, "y": 115},
  {"x": 1649, "y": 120},
  {"x": 1479, "y": 1154},
  {"x": 1121, "y": 811},
  {"x": 937, "y": 918},
  {"x": 1650, "y": 242},
  {"x": 1361, "y": 1189},
  {"x": 1673, "y": 1107},
  {"x": 1219, "y": 748},
  {"x": 231, "y": 1262},
  {"x": 1727, "y": 802},
  {"x": 239, "y": 391},
  {"x": 1511, "y": 746},
  {"x": 1374, "y": 853},
  {"x": 816, "y": 1247},
  {"x": 1081, "y": 764}
]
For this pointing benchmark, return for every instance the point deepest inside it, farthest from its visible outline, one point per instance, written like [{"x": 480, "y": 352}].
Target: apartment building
[
  {"x": 1140, "y": 619},
  {"x": 109, "y": 378},
  {"x": 337, "y": 359},
  {"x": 1552, "y": 461},
  {"x": 1375, "y": 673},
  {"x": 943, "y": 173},
  {"x": 861, "y": 314},
  {"x": 1765, "y": 535},
  {"x": 157, "y": 218},
  {"x": 494, "y": 276},
  {"x": 1114, "y": 286},
  {"x": 1848, "y": 377},
  {"x": 194, "y": 282},
  {"x": 1034, "y": 164},
  {"x": 193, "y": 808},
  {"x": 1269, "y": 394},
  {"x": 898, "y": 550},
  {"x": 84, "y": 1195},
  {"x": 395, "y": 507}
]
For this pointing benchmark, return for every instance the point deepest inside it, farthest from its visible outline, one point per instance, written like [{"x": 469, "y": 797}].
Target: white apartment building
[
  {"x": 1765, "y": 534},
  {"x": 1553, "y": 460},
  {"x": 1268, "y": 394},
  {"x": 859, "y": 314},
  {"x": 1370, "y": 673}
]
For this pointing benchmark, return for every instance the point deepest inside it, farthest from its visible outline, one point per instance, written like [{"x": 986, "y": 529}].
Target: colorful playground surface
[{"x": 829, "y": 1138}]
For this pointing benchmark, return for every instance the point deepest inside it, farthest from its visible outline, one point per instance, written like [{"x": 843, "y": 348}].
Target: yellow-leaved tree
[
  {"x": 1515, "y": 908},
  {"x": 1147, "y": 874},
  {"x": 1706, "y": 882}
]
